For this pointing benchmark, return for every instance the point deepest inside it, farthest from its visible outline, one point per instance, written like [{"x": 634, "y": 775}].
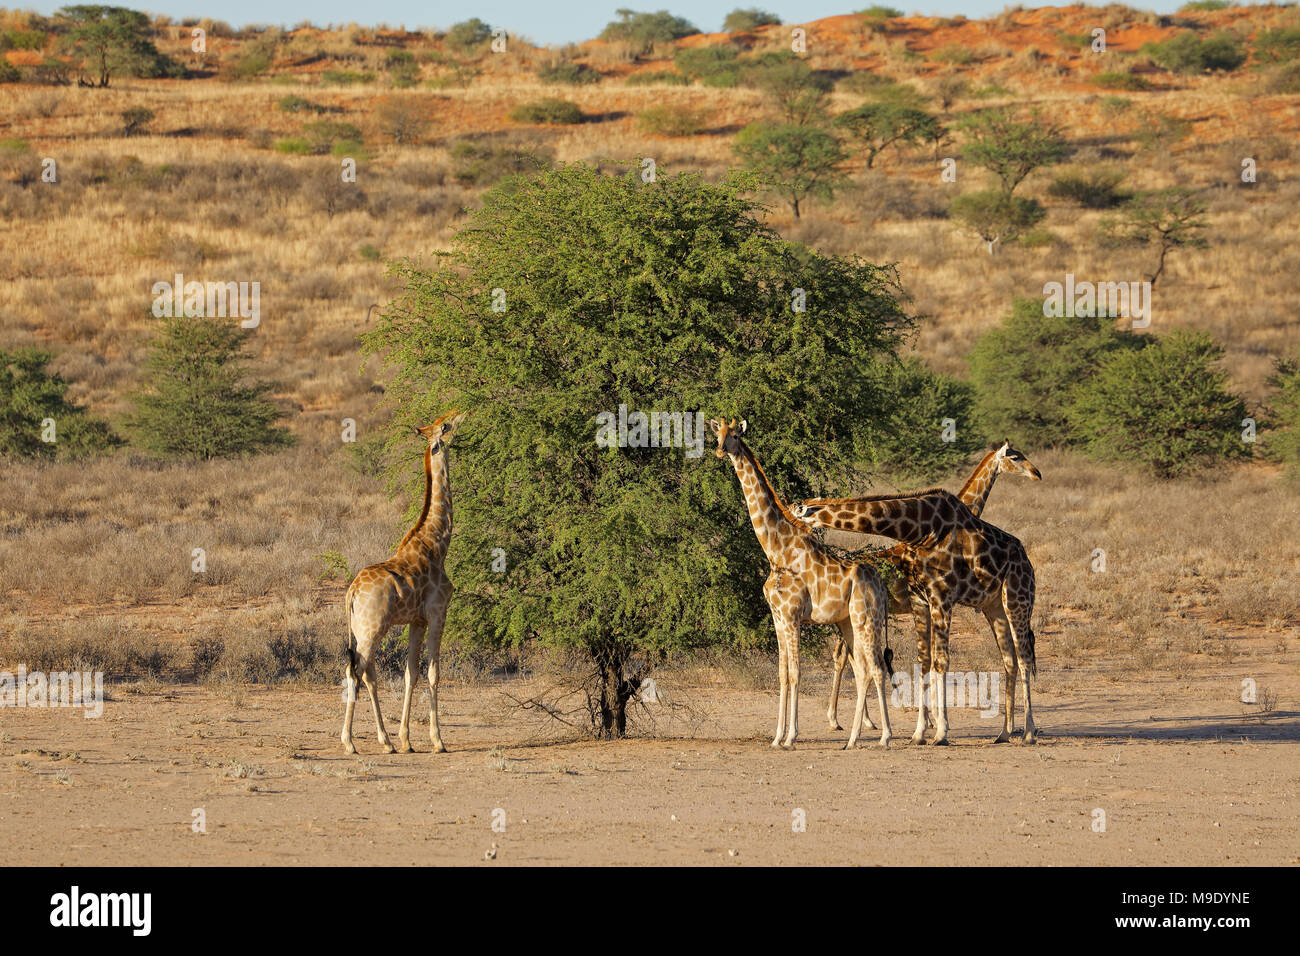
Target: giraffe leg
[
  {"x": 941, "y": 618},
  {"x": 350, "y": 685},
  {"x": 921, "y": 621},
  {"x": 840, "y": 657},
  {"x": 997, "y": 619},
  {"x": 869, "y": 612},
  {"x": 1018, "y": 602},
  {"x": 845, "y": 653},
  {"x": 436, "y": 622},
  {"x": 792, "y": 668},
  {"x": 783, "y": 673},
  {"x": 415, "y": 640},
  {"x": 369, "y": 678}
]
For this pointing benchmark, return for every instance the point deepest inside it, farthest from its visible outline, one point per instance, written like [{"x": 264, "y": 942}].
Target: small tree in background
[
  {"x": 1012, "y": 148},
  {"x": 643, "y": 31},
  {"x": 194, "y": 402},
  {"x": 741, "y": 21},
  {"x": 31, "y": 398},
  {"x": 111, "y": 41},
  {"x": 797, "y": 162},
  {"x": 468, "y": 35},
  {"x": 879, "y": 125},
  {"x": 1166, "y": 218},
  {"x": 996, "y": 217},
  {"x": 798, "y": 93},
  {"x": 1025, "y": 371},
  {"x": 1283, "y": 441},
  {"x": 1164, "y": 407}
]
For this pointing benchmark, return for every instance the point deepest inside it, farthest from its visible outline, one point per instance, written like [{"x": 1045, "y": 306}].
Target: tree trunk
[{"x": 610, "y": 712}]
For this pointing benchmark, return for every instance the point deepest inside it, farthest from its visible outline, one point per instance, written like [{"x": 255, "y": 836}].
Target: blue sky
[{"x": 560, "y": 21}]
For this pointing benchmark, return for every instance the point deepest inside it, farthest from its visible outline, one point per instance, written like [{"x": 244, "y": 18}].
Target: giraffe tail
[
  {"x": 350, "y": 650},
  {"x": 1033, "y": 658}
]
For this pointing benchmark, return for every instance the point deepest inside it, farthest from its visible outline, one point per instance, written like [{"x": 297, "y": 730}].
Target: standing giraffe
[
  {"x": 411, "y": 588},
  {"x": 975, "y": 493},
  {"x": 808, "y": 583},
  {"x": 949, "y": 557}
]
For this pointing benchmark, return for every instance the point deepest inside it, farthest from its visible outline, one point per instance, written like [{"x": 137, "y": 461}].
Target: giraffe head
[
  {"x": 728, "y": 435},
  {"x": 440, "y": 433},
  {"x": 1013, "y": 462},
  {"x": 809, "y": 510}
]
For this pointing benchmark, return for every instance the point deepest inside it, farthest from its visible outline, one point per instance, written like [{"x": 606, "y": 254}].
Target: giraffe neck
[
  {"x": 975, "y": 493},
  {"x": 432, "y": 530},
  {"x": 775, "y": 527}
]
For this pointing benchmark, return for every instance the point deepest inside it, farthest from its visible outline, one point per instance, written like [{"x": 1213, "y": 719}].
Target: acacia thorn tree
[{"x": 570, "y": 294}]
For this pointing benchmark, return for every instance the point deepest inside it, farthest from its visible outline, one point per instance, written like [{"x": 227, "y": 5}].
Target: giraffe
[
  {"x": 808, "y": 583},
  {"x": 1003, "y": 459},
  {"x": 411, "y": 588},
  {"x": 949, "y": 557}
]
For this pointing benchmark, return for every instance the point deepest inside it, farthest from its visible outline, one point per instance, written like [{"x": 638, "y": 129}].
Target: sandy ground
[{"x": 1184, "y": 774}]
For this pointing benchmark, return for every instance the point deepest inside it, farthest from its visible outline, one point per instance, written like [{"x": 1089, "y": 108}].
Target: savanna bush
[
  {"x": 31, "y": 398},
  {"x": 551, "y": 110},
  {"x": 1165, "y": 408}
]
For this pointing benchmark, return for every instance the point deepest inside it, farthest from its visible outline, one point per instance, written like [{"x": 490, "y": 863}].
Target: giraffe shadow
[{"x": 1281, "y": 726}]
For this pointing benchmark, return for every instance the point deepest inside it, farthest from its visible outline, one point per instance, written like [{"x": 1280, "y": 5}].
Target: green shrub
[
  {"x": 298, "y": 104},
  {"x": 711, "y": 65},
  {"x": 1276, "y": 46},
  {"x": 1164, "y": 407},
  {"x": 23, "y": 40},
  {"x": 994, "y": 216},
  {"x": 1096, "y": 188},
  {"x": 670, "y": 120},
  {"x": 1284, "y": 78},
  {"x": 1189, "y": 53},
  {"x": 1026, "y": 369},
  {"x": 8, "y": 72},
  {"x": 651, "y": 77},
  {"x": 194, "y": 403},
  {"x": 1162, "y": 132},
  {"x": 135, "y": 119},
  {"x": 881, "y": 13},
  {"x": 1204, "y": 6},
  {"x": 1121, "y": 80},
  {"x": 322, "y": 135},
  {"x": 30, "y": 399},
  {"x": 248, "y": 65},
  {"x": 403, "y": 71},
  {"x": 482, "y": 165},
  {"x": 346, "y": 77},
  {"x": 1283, "y": 442},
  {"x": 909, "y": 445},
  {"x": 568, "y": 72},
  {"x": 293, "y": 146},
  {"x": 798, "y": 163},
  {"x": 550, "y": 110},
  {"x": 954, "y": 53},
  {"x": 742, "y": 21}
]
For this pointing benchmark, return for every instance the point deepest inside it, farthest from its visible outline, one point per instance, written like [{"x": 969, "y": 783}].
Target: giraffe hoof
[
  {"x": 387, "y": 747},
  {"x": 349, "y": 747},
  {"x": 439, "y": 748},
  {"x": 406, "y": 749},
  {"x": 835, "y": 725},
  {"x": 1030, "y": 738},
  {"x": 1002, "y": 738},
  {"x": 919, "y": 740},
  {"x": 884, "y": 742},
  {"x": 939, "y": 742}
]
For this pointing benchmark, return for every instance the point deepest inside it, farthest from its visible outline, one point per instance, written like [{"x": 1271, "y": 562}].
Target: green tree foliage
[
  {"x": 1189, "y": 53},
  {"x": 1278, "y": 46},
  {"x": 910, "y": 445},
  {"x": 878, "y": 126},
  {"x": 751, "y": 18},
  {"x": 29, "y": 395},
  {"x": 1169, "y": 219},
  {"x": 1165, "y": 408},
  {"x": 1025, "y": 371},
  {"x": 665, "y": 296},
  {"x": 1010, "y": 147},
  {"x": 194, "y": 402},
  {"x": 798, "y": 163},
  {"x": 798, "y": 93},
  {"x": 715, "y": 65},
  {"x": 468, "y": 35},
  {"x": 642, "y": 31},
  {"x": 996, "y": 217},
  {"x": 550, "y": 110},
  {"x": 1094, "y": 188},
  {"x": 112, "y": 41},
  {"x": 1283, "y": 442}
]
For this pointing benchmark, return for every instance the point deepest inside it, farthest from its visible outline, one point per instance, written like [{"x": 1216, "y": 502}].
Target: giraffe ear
[
  {"x": 714, "y": 426},
  {"x": 744, "y": 425}
]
